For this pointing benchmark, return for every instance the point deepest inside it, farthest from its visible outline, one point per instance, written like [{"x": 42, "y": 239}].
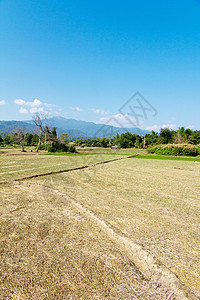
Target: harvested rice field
[
  {"x": 16, "y": 166},
  {"x": 127, "y": 229}
]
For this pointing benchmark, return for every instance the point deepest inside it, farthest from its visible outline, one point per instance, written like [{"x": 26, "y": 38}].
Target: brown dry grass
[
  {"x": 154, "y": 202},
  {"x": 48, "y": 250},
  {"x": 23, "y": 165},
  {"x": 122, "y": 151}
]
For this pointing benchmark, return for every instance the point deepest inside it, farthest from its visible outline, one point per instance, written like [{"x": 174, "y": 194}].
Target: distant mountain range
[{"x": 74, "y": 128}]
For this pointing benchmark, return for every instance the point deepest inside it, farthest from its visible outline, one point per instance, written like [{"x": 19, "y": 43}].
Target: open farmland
[
  {"x": 56, "y": 230},
  {"x": 120, "y": 151},
  {"x": 16, "y": 166},
  {"x": 50, "y": 251}
]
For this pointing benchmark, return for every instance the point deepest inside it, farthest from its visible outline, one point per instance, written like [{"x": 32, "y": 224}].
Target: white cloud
[
  {"x": 57, "y": 112},
  {"x": 153, "y": 127},
  {"x": 2, "y": 102},
  {"x": 23, "y": 110},
  {"x": 35, "y": 106},
  {"x": 170, "y": 126},
  {"x": 119, "y": 120},
  {"x": 77, "y": 109},
  {"x": 37, "y": 109},
  {"x": 157, "y": 127},
  {"x": 20, "y": 102},
  {"x": 190, "y": 127},
  {"x": 100, "y": 111},
  {"x": 49, "y": 105},
  {"x": 34, "y": 103}
]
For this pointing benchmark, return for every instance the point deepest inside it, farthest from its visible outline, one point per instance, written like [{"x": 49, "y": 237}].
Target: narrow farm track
[
  {"x": 66, "y": 170},
  {"x": 144, "y": 260}
]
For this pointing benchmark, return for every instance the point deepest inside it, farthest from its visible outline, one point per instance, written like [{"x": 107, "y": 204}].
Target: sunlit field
[
  {"x": 18, "y": 165},
  {"x": 99, "y": 150},
  {"x": 51, "y": 249},
  {"x": 154, "y": 202}
]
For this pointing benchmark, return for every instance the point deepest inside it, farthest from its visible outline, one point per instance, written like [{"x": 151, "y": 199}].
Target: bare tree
[
  {"x": 46, "y": 134},
  {"x": 40, "y": 122},
  {"x": 19, "y": 137}
]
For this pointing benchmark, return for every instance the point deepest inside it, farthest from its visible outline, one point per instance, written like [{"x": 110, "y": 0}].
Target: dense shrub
[
  {"x": 60, "y": 147},
  {"x": 72, "y": 149},
  {"x": 175, "y": 150},
  {"x": 51, "y": 148},
  {"x": 63, "y": 147},
  {"x": 42, "y": 147}
]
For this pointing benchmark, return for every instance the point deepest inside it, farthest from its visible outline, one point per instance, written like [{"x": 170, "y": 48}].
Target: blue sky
[{"x": 85, "y": 59}]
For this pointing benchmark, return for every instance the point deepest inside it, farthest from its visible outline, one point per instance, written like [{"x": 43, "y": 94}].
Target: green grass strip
[{"x": 162, "y": 157}]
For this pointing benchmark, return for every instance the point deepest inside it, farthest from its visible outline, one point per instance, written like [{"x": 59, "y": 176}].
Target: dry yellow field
[
  {"x": 48, "y": 250},
  {"x": 154, "y": 202},
  {"x": 51, "y": 249},
  {"x": 19, "y": 165}
]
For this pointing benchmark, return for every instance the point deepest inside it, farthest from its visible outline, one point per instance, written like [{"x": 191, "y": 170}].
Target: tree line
[
  {"x": 48, "y": 140},
  {"x": 128, "y": 140}
]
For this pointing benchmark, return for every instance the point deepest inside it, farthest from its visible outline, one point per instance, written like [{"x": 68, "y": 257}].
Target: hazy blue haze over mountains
[{"x": 74, "y": 128}]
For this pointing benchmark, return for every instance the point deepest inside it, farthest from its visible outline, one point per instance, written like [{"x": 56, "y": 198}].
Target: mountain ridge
[{"x": 73, "y": 127}]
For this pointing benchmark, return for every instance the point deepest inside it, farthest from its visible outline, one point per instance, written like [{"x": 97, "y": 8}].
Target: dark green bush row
[
  {"x": 61, "y": 148},
  {"x": 175, "y": 150}
]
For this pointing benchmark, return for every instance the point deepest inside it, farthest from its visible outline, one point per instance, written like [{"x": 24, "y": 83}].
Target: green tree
[
  {"x": 78, "y": 142},
  {"x": 54, "y": 132},
  {"x": 151, "y": 139},
  {"x": 28, "y": 139},
  {"x": 8, "y": 140},
  {"x": 64, "y": 138},
  {"x": 139, "y": 142},
  {"x": 104, "y": 142},
  {"x": 165, "y": 136}
]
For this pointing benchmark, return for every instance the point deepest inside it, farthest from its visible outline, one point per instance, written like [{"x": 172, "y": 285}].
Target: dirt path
[{"x": 145, "y": 261}]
